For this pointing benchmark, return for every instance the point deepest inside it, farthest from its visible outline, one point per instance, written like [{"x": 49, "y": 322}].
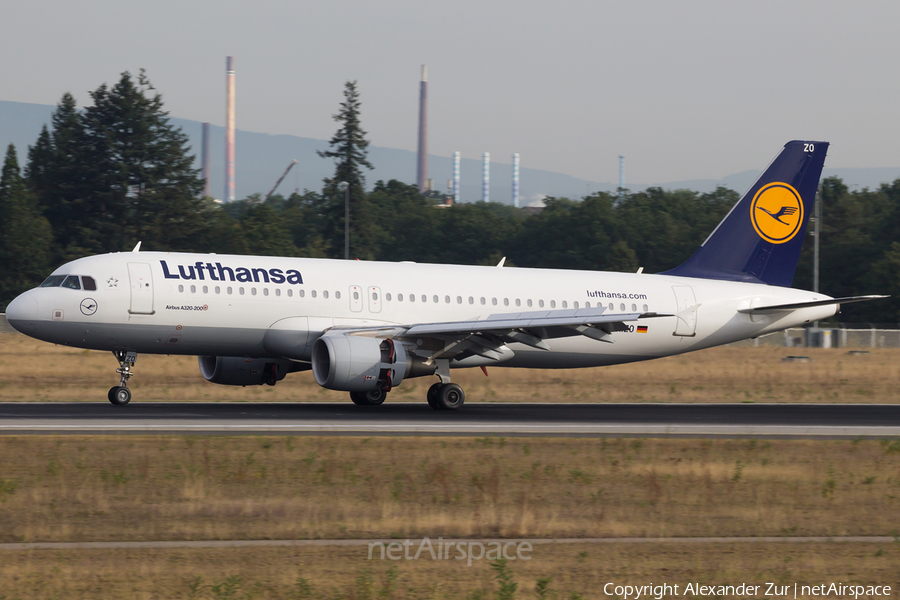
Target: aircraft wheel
[
  {"x": 119, "y": 395},
  {"x": 432, "y": 396},
  {"x": 371, "y": 398},
  {"x": 375, "y": 397},
  {"x": 451, "y": 397}
]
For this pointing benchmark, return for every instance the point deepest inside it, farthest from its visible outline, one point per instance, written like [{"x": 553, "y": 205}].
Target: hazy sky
[{"x": 685, "y": 90}]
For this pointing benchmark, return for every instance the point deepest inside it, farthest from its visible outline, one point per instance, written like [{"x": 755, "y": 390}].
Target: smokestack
[
  {"x": 422, "y": 166},
  {"x": 229, "y": 129},
  {"x": 204, "y": 160},
  {"x": 456, "y": 177},
  {"x": 515, "y": 182},
  {"x": 486, "y": 177}
]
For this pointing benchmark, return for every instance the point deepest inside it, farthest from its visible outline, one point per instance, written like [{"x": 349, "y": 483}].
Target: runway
[{"x": 479, "y": 419}]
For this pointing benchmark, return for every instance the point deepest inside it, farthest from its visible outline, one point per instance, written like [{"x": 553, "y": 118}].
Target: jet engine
[
  {"x": 353, "y": 363},
  {"x": 234, "y": 370}
]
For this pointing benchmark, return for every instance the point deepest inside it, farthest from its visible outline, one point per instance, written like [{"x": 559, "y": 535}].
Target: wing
[{"x": 489, "y": 336}]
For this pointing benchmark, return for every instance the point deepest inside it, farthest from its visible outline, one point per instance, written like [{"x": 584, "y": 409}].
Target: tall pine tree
[
  {"x": 145, "y": 186},
  {"x": 349, "y": 150}
]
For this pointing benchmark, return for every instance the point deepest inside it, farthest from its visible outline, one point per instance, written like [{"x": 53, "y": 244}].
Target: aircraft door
[
  {"x": 141, "y": 278},
  {"x": 374, "y": 299},
  {"x": 356, "y": 299},
  {"x": 685, "y": 311}
]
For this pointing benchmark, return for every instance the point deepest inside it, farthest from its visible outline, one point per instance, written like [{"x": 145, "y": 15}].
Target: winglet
[
  {"x": 137, "y": 248},
  {"x": 502, "y": 260}
]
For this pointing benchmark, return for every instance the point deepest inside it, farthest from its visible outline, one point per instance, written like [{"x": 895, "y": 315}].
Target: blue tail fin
[{"x": 759, "y": 240}]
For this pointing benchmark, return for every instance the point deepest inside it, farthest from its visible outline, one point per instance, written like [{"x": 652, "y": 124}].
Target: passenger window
[
  {"x": 313, "y": 293},
  {"x": 228, "y": 290},
  {"x": 302, "y": 293},
  {"x": 518, "y": 302},
  {"x": 575, "y": 304},
  {"x": 459, "y": 299},
  {"x": 424, "y": 298},
  {"x": 278, "y": 291},
  {"x": 541, "y": 303},
  {"x": 325, "y": 294},
  {"x": 253, "y": 291},
  {"x": 181, "y": 288},
  {"x": 565, "y": 304},
  {"x": 483, "y": 301},
  {"x": 646, "y": 308},
  {"x": 622, "y": 307},
  {"x": 553, "y": 304},
  {"x": 634, "y": 308},
  {"x": 265, "y": 291},
  {"x": 412, "y": 297},
  {"x": 494, "y": 301},
  {"x": 290, "y": 293},
  {"x": 205, "y": 289},
  {"x": 399, "y": 297},
  {"x": 241, "y": 291},
  {"x": 71, "y": 282},
  {"x": 337, "y": 295},
  {"x": 506, "y": 302},
  {"x": 436, "y": 299},
  {"x": 529, "y": 303},
  {"x": 387, "y": 297},
  {"x": 471, "y": 300},
  {"x": 53, "y": 281},
  {"x": 356, "y": 295},
  {"x": 218, "y": 290},
  {"x": 194, "y": 289},
  {"x": 446, "y": 299},
  {"x": 587, "y": 304},
  {"x": 611, "y": 306},
  {"x": 89, "y": 283}
]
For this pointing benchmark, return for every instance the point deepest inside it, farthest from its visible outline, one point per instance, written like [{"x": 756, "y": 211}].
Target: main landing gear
[
  {"x": 120, "y": 394},
  {"x": 445, "y": 395}
]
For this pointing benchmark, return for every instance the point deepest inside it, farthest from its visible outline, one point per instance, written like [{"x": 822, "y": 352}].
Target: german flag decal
[{"x": 642, "y": 329}]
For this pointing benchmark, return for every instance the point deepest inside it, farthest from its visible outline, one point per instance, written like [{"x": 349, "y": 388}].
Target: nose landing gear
[{"x": 120, "y": 394}]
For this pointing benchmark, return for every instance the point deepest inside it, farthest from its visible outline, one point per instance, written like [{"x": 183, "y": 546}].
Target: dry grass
[
  {"x": 203, "y": 487},
  {"x": 577, "y": 570},
  {"x": 36, "y": 371}
]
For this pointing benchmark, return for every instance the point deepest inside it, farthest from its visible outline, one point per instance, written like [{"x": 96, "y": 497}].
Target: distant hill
[{"x": 261, "y": 158}]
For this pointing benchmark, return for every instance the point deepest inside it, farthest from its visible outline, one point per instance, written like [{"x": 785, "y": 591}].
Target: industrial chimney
[
  {"x": 456, "y": 177},
  {"x": 229, "y": 129},
  {"x": 486, "y": 177},
  {"x": 515, "y": 180},
  {"x": 422, "y": 165},
  {"x": 204, "y": 161}
]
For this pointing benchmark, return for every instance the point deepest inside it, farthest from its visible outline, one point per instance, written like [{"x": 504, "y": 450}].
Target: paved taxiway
[{"x": 690, "y": 420}]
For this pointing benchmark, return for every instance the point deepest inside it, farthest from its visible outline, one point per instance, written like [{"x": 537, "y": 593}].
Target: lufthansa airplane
[{"x": 364, "y": 327}]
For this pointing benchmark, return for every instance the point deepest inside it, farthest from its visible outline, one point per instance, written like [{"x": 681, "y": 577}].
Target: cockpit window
[
  {"x": 53, "y": 281},
  {"x": 89, "y": 283},
  {"x": 71, "y": 282}
]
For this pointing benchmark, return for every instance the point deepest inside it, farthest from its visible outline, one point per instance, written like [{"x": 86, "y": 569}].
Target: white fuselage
[{"x": 220, "y": 305}]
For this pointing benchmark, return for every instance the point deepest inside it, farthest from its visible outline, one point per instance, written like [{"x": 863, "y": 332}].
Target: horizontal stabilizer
[{"x": 796, "y": 305}]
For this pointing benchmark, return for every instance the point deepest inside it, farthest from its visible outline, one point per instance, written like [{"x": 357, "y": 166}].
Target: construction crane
[{"x": 280, "y": 179}]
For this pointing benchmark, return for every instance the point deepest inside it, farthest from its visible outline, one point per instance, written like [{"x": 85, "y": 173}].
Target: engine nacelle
[
  {"x": 352, "y": 363},
  {"x": 234, "y": 370}
]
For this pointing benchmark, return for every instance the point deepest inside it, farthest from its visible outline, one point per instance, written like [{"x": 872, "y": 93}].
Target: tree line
[{"x": 118, "y": 172}]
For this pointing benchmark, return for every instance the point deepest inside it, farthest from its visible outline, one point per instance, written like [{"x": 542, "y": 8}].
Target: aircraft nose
[{"x": 22, "y": 312}]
